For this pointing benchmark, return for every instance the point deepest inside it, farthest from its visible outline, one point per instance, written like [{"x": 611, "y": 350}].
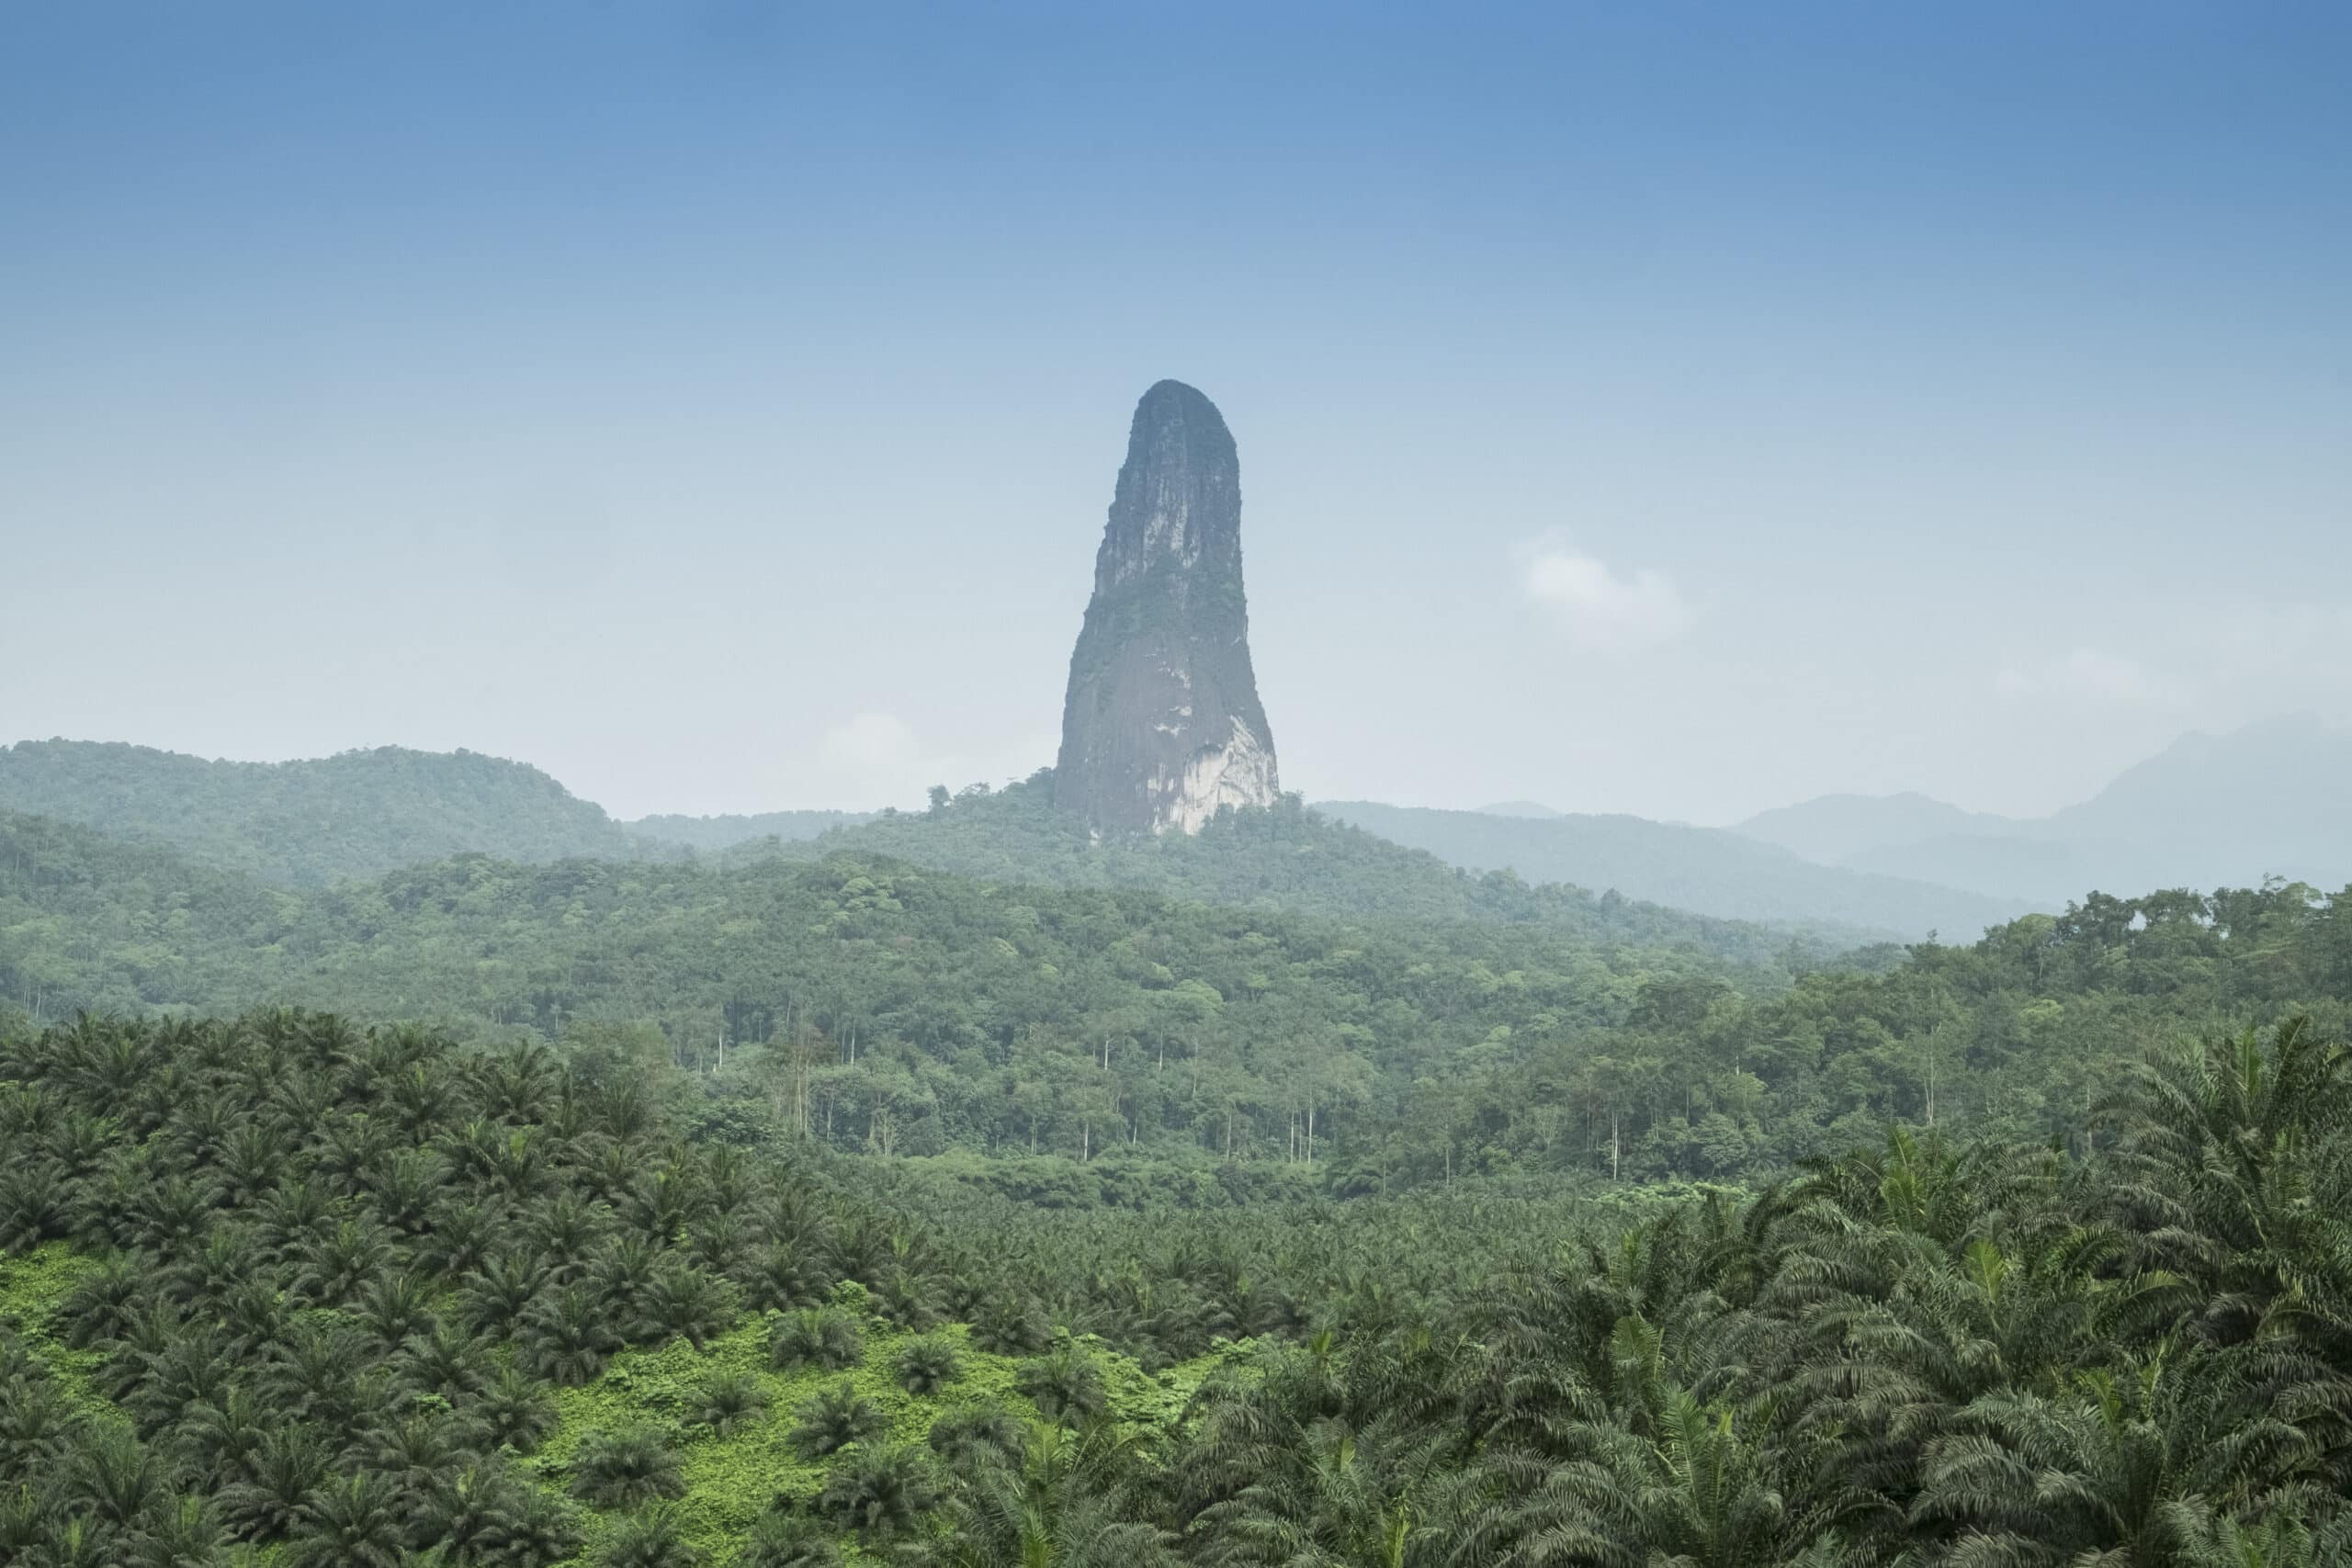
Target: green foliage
[
  {"x": 351, "y": 1522},
  {"x": 623, "y": 1470},
  {"x": 316, "y": 1278},
  {"x": 927, "y": 1364},
  {"x": 1065, "y": 1384},
  {"x": 1052, "y": 1495},
  {"x": 882, "y": 1493},
  {"x": 653, "y": 1538},
  {"x": 976, "y": 1436},
  {"x": 827, "y": 1338},
  {"x": 205, "y": 1337},
  {"x": 838, "y": 1417},
  {"x": 787, "y": 1540},
  {"x": 1146, "y": 1054},
  {"x": 732, "y": 1402},
  {"x": 730, "y": 1478},
  {"x": 515, "y": 1411}
]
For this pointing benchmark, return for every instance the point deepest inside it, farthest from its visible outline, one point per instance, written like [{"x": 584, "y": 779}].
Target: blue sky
[{"x": 1668, "y": 409}]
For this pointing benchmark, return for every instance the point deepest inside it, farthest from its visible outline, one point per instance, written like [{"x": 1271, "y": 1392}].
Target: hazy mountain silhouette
[
  {"x": 2273, "y": 798},
  {"x": 1705, "y": 870},
  {"x": 1528, "y": 808}
]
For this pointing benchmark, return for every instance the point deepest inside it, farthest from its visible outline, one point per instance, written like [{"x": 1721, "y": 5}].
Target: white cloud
[
  {"x": 2088, "y": 675},
  {"x": 877, "y": 759},
  {"x": 869, "y": 744},
  {"x": 1599, "y": 609}
]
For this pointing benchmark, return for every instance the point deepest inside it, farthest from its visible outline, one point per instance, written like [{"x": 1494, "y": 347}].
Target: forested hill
[
  {"x": 1702, "y": 869},
  {"x": 994, "y": 1007},
  {"x": 708, "y": 834},
  {"x": 306, "y": 824},
  {"x": 362, "y": 814},
  {"x": 1291, "y": 858},
  {"x": 906, "y": 1011}
]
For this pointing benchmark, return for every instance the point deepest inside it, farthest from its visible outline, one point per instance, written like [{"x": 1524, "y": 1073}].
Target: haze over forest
[{"x": 1241, "y": 787}]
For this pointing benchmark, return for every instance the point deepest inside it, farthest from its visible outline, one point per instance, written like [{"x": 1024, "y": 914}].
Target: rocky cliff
[{"x": 1163, "y": 724}]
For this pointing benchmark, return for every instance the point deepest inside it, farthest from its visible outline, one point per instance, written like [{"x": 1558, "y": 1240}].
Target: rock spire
[{"x": 1163, "y": 724}]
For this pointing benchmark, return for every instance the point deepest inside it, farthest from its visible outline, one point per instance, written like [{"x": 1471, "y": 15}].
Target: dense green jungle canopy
[
  {"x": 878, "y": 1006},
  {"x": 293, "y": 1291},
  {"x": 950, "y": 1189}
]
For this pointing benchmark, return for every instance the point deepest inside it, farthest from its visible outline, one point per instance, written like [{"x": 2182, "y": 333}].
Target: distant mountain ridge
[
  {"x": 2273, "y": 798},
  {"x": 1705, "y": 870},
  {"x": 1832, "y": 829},
  {"x": 1529, "y": 808},
  {"x": 317, "y": 821},
  {"x": 2209, "y": 811}
]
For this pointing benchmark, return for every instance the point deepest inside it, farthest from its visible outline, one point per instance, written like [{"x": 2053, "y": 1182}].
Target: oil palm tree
[
  {"x": 926, "y": 1364},
  {"x": 654, "y": 1538},
  {"x": 179, "y": 1532},
  {"x": 1066, "y": 1383},
  {"x": 446, "y": 1359},
  {"x": 263, "y": 1501},
  {"x": 781, "y": 1276},
  {"x": 113, "y": 1479},
  {"x": 1049, "y": 1504},
  {"x": 218, "y": 1441},
  {"x": 2219, "y": 1150},
  {"x": 626, "y": 1469},
  {"x": 782, "y": 1539},
  {"x": 682, "y": 1301},
  {"x": 826, "y": 1337},
  {"x": 731, "y": 1402},
  {"x": 833, "y": 1419},
  {"x": 479, "y": 1513},
  {"x": 570, "y": 1337},
  {"x": 882, "y": 1494},
  {"x": 1694, "y": 1491},
  {"x": 394, "y": 1306},
  {"x": 2126, "y": 1465},
  {"x": 498, "y": 1297},
  {"x": 515, "y": 1410},
  {"x": 350, "y": 1522}
]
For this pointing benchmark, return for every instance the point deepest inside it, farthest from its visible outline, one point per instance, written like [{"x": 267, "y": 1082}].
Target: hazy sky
[{"x": 1680, "y": 410}]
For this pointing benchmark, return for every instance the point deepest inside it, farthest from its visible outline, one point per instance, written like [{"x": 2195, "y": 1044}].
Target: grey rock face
[{"x": 1163, "y": 724}]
